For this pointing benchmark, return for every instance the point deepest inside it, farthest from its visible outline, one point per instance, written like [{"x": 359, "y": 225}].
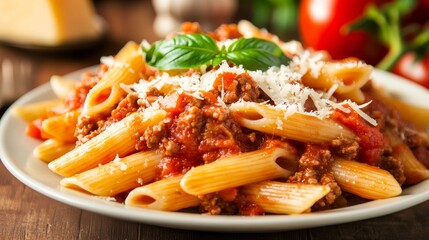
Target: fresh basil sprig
[{"x": 194, "y": 50}]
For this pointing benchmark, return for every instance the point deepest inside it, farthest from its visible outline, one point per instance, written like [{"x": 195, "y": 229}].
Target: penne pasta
[
  {"x": 231, "y": 132},
  {"x": 61, "y": 127},
  {"x": 364, "y": 180},
  {"x": 33, "y": 111},
  {"x": 414, "y": 170},
  {"x": 115, "y": 140},
  {"x": 300, "y": 127},
  {"x": 117, "y": 176},
  {"x": 349, "y": 75},
  {"x": 241, "y": 169},
  {"x": 165, "y": 194},
  {"x": 126, "y": 69},
  {"x": 412, "y": 113},
  {"x": 61, "y": 87},
  {"x": 284, "y": 198},
  {"x": 52, "y": 149}
]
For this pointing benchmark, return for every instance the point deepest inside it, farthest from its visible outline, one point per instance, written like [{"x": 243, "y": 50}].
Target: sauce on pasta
[{"x": 223, "y": 139}]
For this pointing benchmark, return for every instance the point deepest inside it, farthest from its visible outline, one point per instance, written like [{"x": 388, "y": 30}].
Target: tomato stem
[
  {"x": 393, "y": 39},
  {"x": 394, "y": 54},
  {"x": 385, "y": 23}
]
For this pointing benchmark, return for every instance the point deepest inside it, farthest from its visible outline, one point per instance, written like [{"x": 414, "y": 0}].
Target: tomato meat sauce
[{"x": 371, "y": 140}]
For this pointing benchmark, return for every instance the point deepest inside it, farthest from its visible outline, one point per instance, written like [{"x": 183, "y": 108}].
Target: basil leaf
[
  {"x": 255, "y": 54},
  {"x": 194, "y": 50},
  {"x": 182, "y": 51}
]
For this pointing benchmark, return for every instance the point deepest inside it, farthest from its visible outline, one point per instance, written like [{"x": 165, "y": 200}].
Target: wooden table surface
[{"x": 27, "y": 214}]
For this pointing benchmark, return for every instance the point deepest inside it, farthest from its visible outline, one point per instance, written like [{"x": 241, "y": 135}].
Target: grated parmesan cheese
[
  {"x": 281, "y": 84},
  {"x": 123, "y": 167}
]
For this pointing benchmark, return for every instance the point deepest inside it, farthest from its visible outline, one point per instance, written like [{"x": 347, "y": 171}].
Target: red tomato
[
  {"x": 34, "y": 129},
  {"x": 417, "y": 71},
  {"x": 419, "y": 14},
  {"x": 322, "y": 23}
]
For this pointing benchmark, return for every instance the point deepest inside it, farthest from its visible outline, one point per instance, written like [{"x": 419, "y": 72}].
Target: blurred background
[{"x": 40, "y": 38}]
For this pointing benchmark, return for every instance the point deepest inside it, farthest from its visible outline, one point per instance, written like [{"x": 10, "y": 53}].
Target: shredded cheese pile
[{"x": 282, "y": 84}]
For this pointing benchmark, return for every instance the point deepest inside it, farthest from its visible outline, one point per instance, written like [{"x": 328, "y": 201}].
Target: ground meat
[
  {"x": 234, "y": 87},
  {"x": 86, "y": 129},
  {"x": 87, "y": 81},
  {"x": 218, "y": 138},
  {"x": 200, "y": 131},
  {"x": 372, "y": 142},
  {"x": 151, "y": 96},
  {"x": 330, "y": 198},
  {"x": 246, "y": 208},
  {"x": 186, "y": 131},
  {"x": 125, "y": 107},
  {"x": 228, "y": 202},
  {"x": 315, "y": 168},
  {"x": 345, "y": 148},
  {"x": 190, "y": 27},
  {"x": 89, "y": 127},
  {"x": 151, "y": 137},
  {"x": 171, "y": 148},
  {"x": 389, "y": 118},
  {"x": 422, "y": 154},
  {"x": 213, "y": 204},
  {"x": 394, "y": 166},
  {"x": 227, "y": 31}
]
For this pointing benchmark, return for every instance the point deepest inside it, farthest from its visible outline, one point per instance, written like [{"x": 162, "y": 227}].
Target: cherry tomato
[
  {"x": 322, "y": 24},
  {"x": 412, "y": 69}
]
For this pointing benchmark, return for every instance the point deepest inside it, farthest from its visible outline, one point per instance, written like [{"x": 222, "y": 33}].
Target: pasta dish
[{"x": 232, "y": 122}]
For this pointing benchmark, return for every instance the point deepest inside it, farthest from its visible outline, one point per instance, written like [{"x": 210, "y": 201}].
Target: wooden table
[{"x": 26, "y": 214}]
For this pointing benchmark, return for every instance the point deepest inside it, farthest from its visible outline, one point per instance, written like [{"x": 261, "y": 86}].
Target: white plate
[{"x": 16, "y": 148}]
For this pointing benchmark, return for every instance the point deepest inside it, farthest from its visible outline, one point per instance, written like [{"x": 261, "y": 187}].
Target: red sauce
[
  {"x": 87, "y": 81},
  {"x": 225, "y": 80},
  {"x": 227, "y": 31},
  {"x": 123, "y": 109},
  {"x": 250, "y": 209},
  {"x": 229, "y": 194},
  {"x": 34, "y": 129},
  {"x": 371, "y": 140},
  {"x": 182, "y": 102},
  {"x": 172, "y": 166},
  {"x": 199, "y": 132},
  {"x": 103, "y": 96}
]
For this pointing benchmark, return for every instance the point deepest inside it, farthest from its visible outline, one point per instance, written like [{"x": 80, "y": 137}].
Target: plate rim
[{"x": 189, "y": 221}]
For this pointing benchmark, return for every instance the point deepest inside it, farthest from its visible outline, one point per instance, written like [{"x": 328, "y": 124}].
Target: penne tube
[
  {"x": 117, "y": 176},
  {"x": 418, "y": 115},
  {"x": 300, "y": 127},
  {"x": 366, "y": 181},
  {"x": 348, "y": 74},
  {"x": 116, "y": 140},
  {"x": 61, "y": 127},
  {"x": 33, "y": 111},
  {"x": 240, "y": 169},
  {"x": 107, "y": 93},
  {"x": 52, "y": 149},
  {"x": 284, "y": 198},
  {"x": 129, "y": 49},
  {"x": 414, "y": 170},
  {"x": 165, "y": 194},
  {"x": 61, "y": 87}
]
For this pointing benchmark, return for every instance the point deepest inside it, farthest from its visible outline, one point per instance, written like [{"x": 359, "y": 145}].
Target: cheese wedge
[{"x": 48, "y": 22}]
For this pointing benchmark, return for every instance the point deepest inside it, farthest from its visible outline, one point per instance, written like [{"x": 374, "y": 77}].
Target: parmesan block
[{"x": 48, "y": 22}]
